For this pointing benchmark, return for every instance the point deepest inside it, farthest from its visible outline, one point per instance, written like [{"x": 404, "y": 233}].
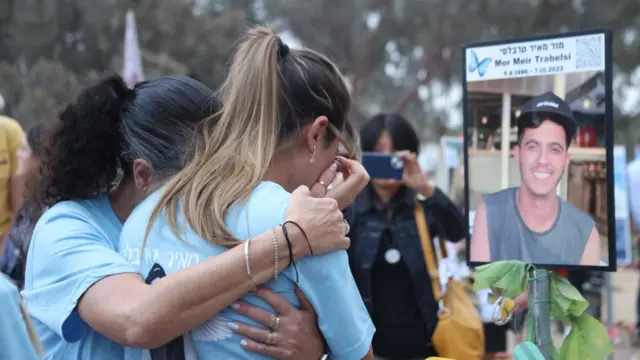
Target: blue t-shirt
[
  {"x": 326, "y": 279},
  {"x": 73, "y": 246},
  {"x": 14, "y": 338}
]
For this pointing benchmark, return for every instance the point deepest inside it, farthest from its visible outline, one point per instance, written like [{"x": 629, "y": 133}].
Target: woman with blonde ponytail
[{"x": 283, "y": 119}]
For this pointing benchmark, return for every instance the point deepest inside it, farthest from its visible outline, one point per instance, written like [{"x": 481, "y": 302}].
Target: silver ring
[
  {"x": 322, "y": 183},
  {"x": 331, "y": 186},
  {"x": 347, "y": 228},
  {"x": 271, "y": 339}
]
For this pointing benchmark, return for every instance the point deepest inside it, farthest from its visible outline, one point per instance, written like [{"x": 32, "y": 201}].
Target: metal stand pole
[
  {"x": 609, "y": 299},
  {"x": 540, "y": 305}
]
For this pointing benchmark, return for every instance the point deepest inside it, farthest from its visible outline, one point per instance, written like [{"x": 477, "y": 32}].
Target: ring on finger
[
  {"x": 347, "y": 228},
  {"x": 331, "y": 186},
  {"x": 322, "y": 183},
  {"x": 271, "y": 339},
  {"x": 274, "y": 321}
]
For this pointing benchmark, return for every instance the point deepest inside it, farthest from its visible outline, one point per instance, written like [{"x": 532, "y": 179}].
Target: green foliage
[
  {"x": 508, "y": 276},
  {"x": 566, "y": 300},
  {"x": 588, "y": 338}
]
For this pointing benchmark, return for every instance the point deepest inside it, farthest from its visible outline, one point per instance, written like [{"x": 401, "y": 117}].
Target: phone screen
[{"x": 383, "y": 166}]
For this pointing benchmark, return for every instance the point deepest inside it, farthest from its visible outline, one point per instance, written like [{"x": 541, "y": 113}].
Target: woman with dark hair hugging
[{"x": 110, "y": 148}]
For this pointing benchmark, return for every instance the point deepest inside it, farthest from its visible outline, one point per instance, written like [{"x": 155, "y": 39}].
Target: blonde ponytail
[
  {"x": 270, "y": 93},
  {"x": 237, "y": 150}
]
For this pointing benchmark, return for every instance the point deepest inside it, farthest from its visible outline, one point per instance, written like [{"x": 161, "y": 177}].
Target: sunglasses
[{"x": 345, "y": 150}]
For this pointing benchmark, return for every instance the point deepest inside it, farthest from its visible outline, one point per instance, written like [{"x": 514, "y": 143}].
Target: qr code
[{"x": 589, "y": 52}]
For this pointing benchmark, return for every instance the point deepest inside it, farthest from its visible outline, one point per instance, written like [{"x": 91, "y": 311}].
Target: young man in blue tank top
[{"x": 530, "y": 222}]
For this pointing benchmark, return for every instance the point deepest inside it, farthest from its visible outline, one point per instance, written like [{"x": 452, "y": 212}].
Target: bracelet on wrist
[
  {"x": 246, "y": 263},
  {"x": 290, "y": 246},
  {"x": 274, "y": 237},
  {"x": 304, "y": 234}
]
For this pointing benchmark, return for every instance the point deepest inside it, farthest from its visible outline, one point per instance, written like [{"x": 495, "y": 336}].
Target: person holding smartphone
[{"x": 385, "y": 254}]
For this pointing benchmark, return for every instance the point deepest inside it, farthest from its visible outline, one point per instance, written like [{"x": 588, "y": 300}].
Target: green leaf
[
  {"x": 566, "y": 300},
  {"x": 588, "y": 340},
  {"x": 508, "y": 276},
  {"x": 556, "y": 354}
]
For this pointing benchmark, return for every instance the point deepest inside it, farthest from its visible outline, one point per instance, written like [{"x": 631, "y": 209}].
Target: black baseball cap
[{"x": 556, "y": 109}]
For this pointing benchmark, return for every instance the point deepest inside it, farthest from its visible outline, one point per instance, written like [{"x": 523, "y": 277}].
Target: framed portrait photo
[{"x": 538, "y": 151}]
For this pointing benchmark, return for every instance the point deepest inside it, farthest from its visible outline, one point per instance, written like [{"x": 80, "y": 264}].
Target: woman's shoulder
[
  {"x": 265, "y": 208},
  {"x": 268, "y": 198},
  {"x": 78, "y": 216},
  {"x": 270, "y": 190},
  {"x": 74, "y": 209}
]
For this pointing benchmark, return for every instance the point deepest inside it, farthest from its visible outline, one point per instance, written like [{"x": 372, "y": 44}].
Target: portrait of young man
[{"x": 531, "y": 222}]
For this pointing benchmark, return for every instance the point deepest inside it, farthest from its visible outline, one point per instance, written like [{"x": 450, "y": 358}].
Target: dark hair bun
[{"x": 116, "y": 97}]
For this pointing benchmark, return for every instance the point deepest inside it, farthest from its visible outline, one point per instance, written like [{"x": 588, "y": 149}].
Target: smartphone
[{"x": 383, "y": 166}]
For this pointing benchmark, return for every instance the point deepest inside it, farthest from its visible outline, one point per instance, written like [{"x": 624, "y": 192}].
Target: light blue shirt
[
  {"x": 14, "y": 339},
  {"x": 633, "y": 176},
  {"x": 326, "y": 280},
  {"x": 73, "y": 246}
]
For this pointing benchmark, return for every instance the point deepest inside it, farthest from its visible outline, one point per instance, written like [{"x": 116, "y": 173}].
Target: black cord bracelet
[
  {"x": 290, "y": 246},
  {"x": 303, "y": 233}
]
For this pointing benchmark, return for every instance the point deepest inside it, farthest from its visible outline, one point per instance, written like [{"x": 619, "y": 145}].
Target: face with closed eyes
[{"x": 542, "y": 156}]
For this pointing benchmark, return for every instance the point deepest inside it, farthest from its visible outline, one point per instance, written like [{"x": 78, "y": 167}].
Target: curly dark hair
[{"x": 99, "y": 135}]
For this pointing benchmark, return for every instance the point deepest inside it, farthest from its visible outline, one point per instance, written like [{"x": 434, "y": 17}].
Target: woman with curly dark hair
[{"x": 111, "y": 147}]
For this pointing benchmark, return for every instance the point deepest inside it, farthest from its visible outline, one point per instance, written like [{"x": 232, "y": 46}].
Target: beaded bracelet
[{"x": 274, "y": 237}]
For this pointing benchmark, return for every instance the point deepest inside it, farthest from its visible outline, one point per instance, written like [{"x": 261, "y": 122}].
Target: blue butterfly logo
[{"x": 482, "y": 66}]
